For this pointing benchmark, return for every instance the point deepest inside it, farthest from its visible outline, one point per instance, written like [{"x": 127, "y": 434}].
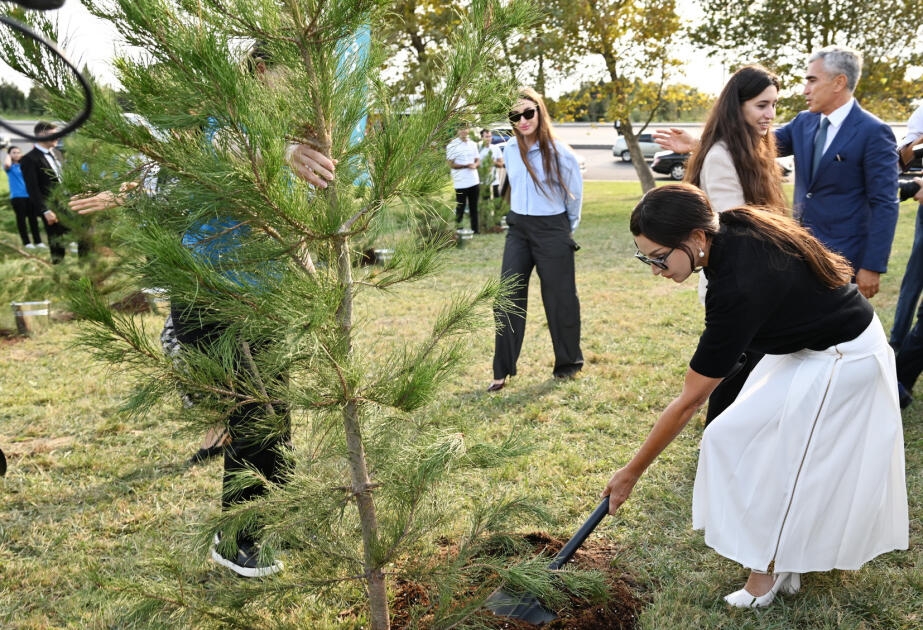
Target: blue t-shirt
[{"x": 17, "y": 183}]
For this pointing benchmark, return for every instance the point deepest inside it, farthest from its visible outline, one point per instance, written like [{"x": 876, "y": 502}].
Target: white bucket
[{"x": 30, "y": 316}]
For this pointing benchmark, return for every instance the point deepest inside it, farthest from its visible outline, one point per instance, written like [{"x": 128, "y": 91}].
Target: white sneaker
[
  {"x": 41, "y": 246},
  {"x": 29, "y": 246}
]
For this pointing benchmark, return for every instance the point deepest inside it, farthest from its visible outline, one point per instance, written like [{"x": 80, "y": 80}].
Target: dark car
[
  {"x": 670, "y": 163},
  {"x": 674, "y": 164}
]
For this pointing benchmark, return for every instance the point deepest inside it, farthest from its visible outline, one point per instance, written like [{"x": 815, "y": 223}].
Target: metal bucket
[
  {"x": 463, "y": 237},
  {"x": 157, "y": 300},
  {"x": 30, "y": 316},
  {"x": 383, "y": 256}
]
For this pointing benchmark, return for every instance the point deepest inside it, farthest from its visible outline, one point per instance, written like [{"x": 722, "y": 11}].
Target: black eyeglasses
[
  {"x": 660, "y": 262},
  {"x": 528, "y": 114}
]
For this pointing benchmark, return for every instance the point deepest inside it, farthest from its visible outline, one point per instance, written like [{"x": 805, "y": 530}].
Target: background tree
[
  {"x": 12, "y": 99},
  {"x": 634, "y": 39},
  {"x": 365, "y": 495},
  {"x": 781, "y": 34}
]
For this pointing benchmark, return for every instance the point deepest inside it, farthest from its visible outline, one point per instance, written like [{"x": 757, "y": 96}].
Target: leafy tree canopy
[{"x": 781, "y": 34}]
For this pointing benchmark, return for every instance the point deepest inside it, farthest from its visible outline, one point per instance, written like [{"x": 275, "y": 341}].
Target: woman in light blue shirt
[{"x": 546, "y": 193}]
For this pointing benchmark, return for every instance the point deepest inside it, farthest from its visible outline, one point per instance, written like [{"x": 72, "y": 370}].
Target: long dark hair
[
  {"x": 753, "y": 154},
  {"x": 669, "y": 214},
  {"x": 546, "y": 145}
]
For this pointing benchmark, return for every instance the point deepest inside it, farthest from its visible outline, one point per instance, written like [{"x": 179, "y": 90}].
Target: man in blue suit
[
  {"x": 846, "y": 189},
  {"x": 846, "y": 167}
]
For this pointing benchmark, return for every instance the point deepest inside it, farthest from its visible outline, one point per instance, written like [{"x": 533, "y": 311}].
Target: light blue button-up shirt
[{"x": 526, "y": 198}]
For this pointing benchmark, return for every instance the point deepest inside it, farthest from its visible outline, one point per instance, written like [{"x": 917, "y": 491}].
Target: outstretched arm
[
  {"x": 88, "y": 204},
  {"x": 676, "y": 140},
  {"x": 696, "y": 390}
]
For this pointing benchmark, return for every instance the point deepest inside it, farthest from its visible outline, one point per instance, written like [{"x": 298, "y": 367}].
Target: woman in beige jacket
[{"x": 734, "y": 165}]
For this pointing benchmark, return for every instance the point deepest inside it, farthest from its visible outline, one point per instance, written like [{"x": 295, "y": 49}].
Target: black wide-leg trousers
[{"x": 545, "y": 244}]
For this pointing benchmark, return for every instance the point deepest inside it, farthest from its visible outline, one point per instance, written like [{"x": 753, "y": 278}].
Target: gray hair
[{"x": 840, "y": 60}]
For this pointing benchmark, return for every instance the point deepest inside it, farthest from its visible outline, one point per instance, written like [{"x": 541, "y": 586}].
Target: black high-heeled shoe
[{"x": 496, "y": 387}]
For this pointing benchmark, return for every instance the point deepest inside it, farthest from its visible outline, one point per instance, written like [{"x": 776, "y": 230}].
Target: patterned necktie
[
  {"x": 820, "y": 139},
  {"x": 54, "y": 164}
]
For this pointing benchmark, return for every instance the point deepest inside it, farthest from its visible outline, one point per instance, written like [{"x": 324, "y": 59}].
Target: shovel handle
[{"x": 577, "y": 539}]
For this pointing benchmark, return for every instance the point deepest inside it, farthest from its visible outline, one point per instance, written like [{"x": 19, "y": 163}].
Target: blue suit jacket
[{"x": 851, "y": 204}]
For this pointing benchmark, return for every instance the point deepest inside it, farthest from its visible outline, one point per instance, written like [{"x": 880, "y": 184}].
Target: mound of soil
[{"x": 619, "y": 612}]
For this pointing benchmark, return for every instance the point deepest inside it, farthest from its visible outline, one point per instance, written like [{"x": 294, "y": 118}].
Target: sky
[{"x": 90, "y": 42}]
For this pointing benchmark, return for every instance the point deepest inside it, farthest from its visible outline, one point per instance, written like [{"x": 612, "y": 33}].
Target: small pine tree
[{"x": 367, "y": 492}]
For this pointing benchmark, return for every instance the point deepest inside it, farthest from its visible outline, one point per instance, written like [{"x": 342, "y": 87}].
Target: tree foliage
[
  {"x": 633, "y": 38},
  {"x": 781, "y": 34},
  {"x": 592, "y": 103},
  {"x": 12, "y": 99}
]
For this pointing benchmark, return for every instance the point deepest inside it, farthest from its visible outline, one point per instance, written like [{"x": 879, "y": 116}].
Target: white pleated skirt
[{"x": 806, "y": 467}]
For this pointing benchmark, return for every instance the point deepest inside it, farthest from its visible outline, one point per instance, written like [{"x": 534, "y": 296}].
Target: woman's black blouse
[{"x": 766, "y": 300}]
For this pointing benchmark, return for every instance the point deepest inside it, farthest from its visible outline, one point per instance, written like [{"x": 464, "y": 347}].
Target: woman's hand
[
  {"x": 88, "y": 204},
  {"x": 619, "y": 488},
  {"x": 310, "y": 165},
  {"x": 676, "y": 140}
]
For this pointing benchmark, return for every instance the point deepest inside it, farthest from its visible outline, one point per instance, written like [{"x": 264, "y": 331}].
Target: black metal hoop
[{"x": 87, "y": 91}]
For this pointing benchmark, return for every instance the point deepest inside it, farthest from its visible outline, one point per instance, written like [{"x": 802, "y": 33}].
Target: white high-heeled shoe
[{"x": 788, "y": 583}]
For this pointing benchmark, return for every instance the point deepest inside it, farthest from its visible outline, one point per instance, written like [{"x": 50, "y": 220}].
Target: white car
[{"x": 645, "y": 140}]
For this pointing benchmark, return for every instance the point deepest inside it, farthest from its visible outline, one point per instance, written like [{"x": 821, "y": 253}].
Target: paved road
[
  {"x": 602, "y": 165},
  {"x": 593, "y": 142},
  {"x": 25, "y": 126}
]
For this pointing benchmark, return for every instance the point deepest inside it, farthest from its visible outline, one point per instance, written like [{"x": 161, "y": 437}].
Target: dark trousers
[
  {"x": 911, "y": 287},
  {"x": 58, "y": 236},
  {"x": 543, "y": 243},
  {"x": 26, "y": 221},
  {"x": 727, "y": 389},
  {"x": 469, "y": 196},
  {"x": 252, "y": 446},
  {"x": 909, "y": 358}
]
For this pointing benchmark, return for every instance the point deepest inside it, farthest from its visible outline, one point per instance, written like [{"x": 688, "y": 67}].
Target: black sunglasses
[
  {"x": 660, "y": 262},
  {"x": 528, "y": 114}
]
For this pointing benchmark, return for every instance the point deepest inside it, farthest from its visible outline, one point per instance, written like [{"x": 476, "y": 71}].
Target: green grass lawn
[{"x": 92, "y": 496}]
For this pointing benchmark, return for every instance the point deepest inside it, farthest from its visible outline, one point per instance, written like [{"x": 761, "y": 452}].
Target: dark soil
[
  {"x": 8, "y": 336},
  {"x": 134, "y": 303},
  {"x": 619, "y": 612}
]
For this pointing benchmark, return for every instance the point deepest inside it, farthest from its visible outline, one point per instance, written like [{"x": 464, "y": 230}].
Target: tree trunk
[
  {"x": 361, "y": 484},
  {"x": 645, "y": 175}
]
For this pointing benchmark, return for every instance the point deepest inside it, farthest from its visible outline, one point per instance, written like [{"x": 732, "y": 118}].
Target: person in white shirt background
[{"x": 464, "y": 159}]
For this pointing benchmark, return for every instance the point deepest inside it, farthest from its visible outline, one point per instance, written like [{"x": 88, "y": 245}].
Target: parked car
[
  {"x": 500, "y": 132},
  {"x": 674, "y": 164},
  {"x": 645, "y": 140},
  {"x": 670, "y": 163}
]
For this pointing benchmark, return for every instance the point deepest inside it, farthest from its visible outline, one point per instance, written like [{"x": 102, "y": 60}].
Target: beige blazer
[{"x": 719, "y": 180}]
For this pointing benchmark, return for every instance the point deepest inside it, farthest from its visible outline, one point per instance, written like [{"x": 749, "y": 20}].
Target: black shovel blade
[
  {"x": 524, "y": 607},
  {"x": 527, "y": 607}
]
